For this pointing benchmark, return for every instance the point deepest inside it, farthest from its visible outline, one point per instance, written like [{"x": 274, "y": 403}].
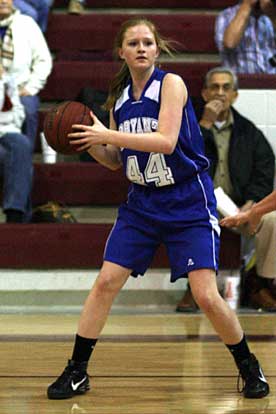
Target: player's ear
[
  {"x": 157, "y": 52},
  {"x": 120, "y": 53},
  {"x": 234, "y": 96}
]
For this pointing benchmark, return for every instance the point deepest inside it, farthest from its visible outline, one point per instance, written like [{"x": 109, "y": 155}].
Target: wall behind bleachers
[{"x": 259, "y": 106}]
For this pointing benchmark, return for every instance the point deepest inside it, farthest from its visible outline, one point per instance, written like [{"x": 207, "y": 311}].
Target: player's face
[
  {"x": 5, "y": 8},
  {"x": 220, "y": 87},
  {"x": 139, "y": 48}
]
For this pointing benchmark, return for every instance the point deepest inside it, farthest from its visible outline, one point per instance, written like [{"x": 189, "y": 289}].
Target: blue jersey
[
  {"x": 155, "y": 169},
  {"x": 171, "y": 200}
]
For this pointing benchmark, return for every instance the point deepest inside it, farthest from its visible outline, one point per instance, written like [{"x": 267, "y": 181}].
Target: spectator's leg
[
  {"x": 17, "y": 174},
  {"x": 265, "y": 242},
  {"x": 31, "y": 105},
  {"x": 257, "y": 279}
]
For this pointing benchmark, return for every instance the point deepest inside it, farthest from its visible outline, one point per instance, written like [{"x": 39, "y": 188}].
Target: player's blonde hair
[{"x": 122, "y": 76}]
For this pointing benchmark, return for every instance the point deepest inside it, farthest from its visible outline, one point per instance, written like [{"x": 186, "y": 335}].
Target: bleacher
[{"x": 81, "y": 46}]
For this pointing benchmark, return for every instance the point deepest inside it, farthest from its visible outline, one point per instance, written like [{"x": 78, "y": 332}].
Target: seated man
[
  {"x": 242, "y": 163},
  {"x": 245, "y": 36},
  {"x": 15, "y": 154}
]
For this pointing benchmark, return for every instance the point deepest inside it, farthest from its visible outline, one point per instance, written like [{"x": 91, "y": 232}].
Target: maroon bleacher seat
[
  {"x": 78, "y": 246},
  {"x": 208, "y": 4},
  {"x": 78, "y": 183},
  {"x": 194, "y": 32},
  {"x": 68, "y": 77}
]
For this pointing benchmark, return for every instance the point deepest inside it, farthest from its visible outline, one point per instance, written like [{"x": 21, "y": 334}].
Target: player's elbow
[
  {"x": 114, "y": 167},
  {"x": 169, "y": 147}
]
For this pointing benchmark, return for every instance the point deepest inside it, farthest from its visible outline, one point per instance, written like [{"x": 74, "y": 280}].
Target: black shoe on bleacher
[
  {"x": 73, "y": 381},
  {"x": 254, "y": 382}
]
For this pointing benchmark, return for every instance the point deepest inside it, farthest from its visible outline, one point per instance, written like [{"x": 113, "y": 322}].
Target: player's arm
[
  {"x": 266, "y": 205},
  {"x": 107, "y": 155},
  {"x": 173, "y": 99},
  {"x": 254, "y": 215}
]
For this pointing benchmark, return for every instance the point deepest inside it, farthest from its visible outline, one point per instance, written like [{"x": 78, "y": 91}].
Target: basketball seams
[{"x": 60, "y": 122}]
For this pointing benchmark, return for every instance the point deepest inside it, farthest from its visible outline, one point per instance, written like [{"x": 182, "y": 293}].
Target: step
[
  {"x": 60, "y": 290},
  {"x": 193, "y": 32},
  {"x": 64, "y": 291},
  {"x": 79, "y": 246},
  {"x": 78, "y": 184},
  {"x": 208, "y": 4},
  {"x": 87, "y": 214},
  {"x": 69, "y": 77}
]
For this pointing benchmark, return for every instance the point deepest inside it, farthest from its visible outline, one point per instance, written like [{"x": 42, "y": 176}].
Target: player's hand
[
  {"x": 84, "y": 136},
  {"x": 211, "y": 112}
]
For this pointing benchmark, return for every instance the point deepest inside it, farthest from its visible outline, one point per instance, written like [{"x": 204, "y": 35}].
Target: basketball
[{"x": 58, "y": 124}]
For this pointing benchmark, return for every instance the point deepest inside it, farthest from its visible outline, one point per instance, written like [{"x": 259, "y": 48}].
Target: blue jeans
[
  {"x": 37, "y": 9},
  {"x": 16, "y": 168},
  {"x": 31, "y": 106}
]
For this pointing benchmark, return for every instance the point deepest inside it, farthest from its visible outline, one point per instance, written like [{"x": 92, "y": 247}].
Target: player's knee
[
  {"x": 206, "y": 300},
  {"x": 107, "y": 284}
]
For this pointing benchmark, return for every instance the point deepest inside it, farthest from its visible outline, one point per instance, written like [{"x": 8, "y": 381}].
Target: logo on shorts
[{"x": 190, "y": 262}]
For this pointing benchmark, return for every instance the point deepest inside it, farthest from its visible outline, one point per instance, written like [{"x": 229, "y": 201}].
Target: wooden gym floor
[{"x": 144, "y": 363}]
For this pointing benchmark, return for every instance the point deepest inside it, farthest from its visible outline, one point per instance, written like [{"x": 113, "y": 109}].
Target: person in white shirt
[
  {"x": 16, "y": 168},
  {"x": 26, "y": 57}
]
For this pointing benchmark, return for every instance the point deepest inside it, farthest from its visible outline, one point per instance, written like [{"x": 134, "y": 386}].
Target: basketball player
[{"x": 154, "y": 134}]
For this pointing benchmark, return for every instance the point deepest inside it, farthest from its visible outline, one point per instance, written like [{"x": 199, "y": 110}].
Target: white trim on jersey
[
  {"x": 153, "y": 90},
  {"x": 212, "y": 220},
  {"x": 123, "y": 98}
]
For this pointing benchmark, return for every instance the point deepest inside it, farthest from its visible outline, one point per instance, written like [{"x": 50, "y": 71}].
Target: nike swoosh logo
[
  {"x": 262, "y": 377},
  {"x": 76, "y": 386}
]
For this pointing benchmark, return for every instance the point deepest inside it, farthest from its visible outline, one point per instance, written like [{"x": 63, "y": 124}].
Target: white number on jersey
[
  {"x": 156, "y": 171},
  {"x": 133, "y": 172}
]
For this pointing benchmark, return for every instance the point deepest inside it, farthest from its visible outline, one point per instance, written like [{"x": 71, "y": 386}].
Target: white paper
[{"x": 225, "y": 205}]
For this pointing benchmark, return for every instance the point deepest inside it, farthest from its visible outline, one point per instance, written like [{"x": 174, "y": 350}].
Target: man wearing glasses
[{"x": 242, "y": 163}]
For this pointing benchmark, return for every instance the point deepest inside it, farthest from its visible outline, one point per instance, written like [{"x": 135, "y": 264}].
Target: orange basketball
[{"x": 58, "y": 124}]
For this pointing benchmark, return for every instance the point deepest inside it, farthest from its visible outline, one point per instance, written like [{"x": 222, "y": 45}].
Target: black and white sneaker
[
  {"x": 73, "y": 381},
  {"x": 254, "y": 382}
]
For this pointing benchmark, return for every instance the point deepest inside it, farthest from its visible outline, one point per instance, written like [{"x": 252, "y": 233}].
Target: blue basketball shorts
[{"x": 183, "y": 217}]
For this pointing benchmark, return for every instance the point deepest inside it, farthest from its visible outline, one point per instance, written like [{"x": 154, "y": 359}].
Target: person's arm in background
[
  {"x": 229, "y": 28},
  {"x": 252, "y": 216},
  {"x": 234, "y": 32}
]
